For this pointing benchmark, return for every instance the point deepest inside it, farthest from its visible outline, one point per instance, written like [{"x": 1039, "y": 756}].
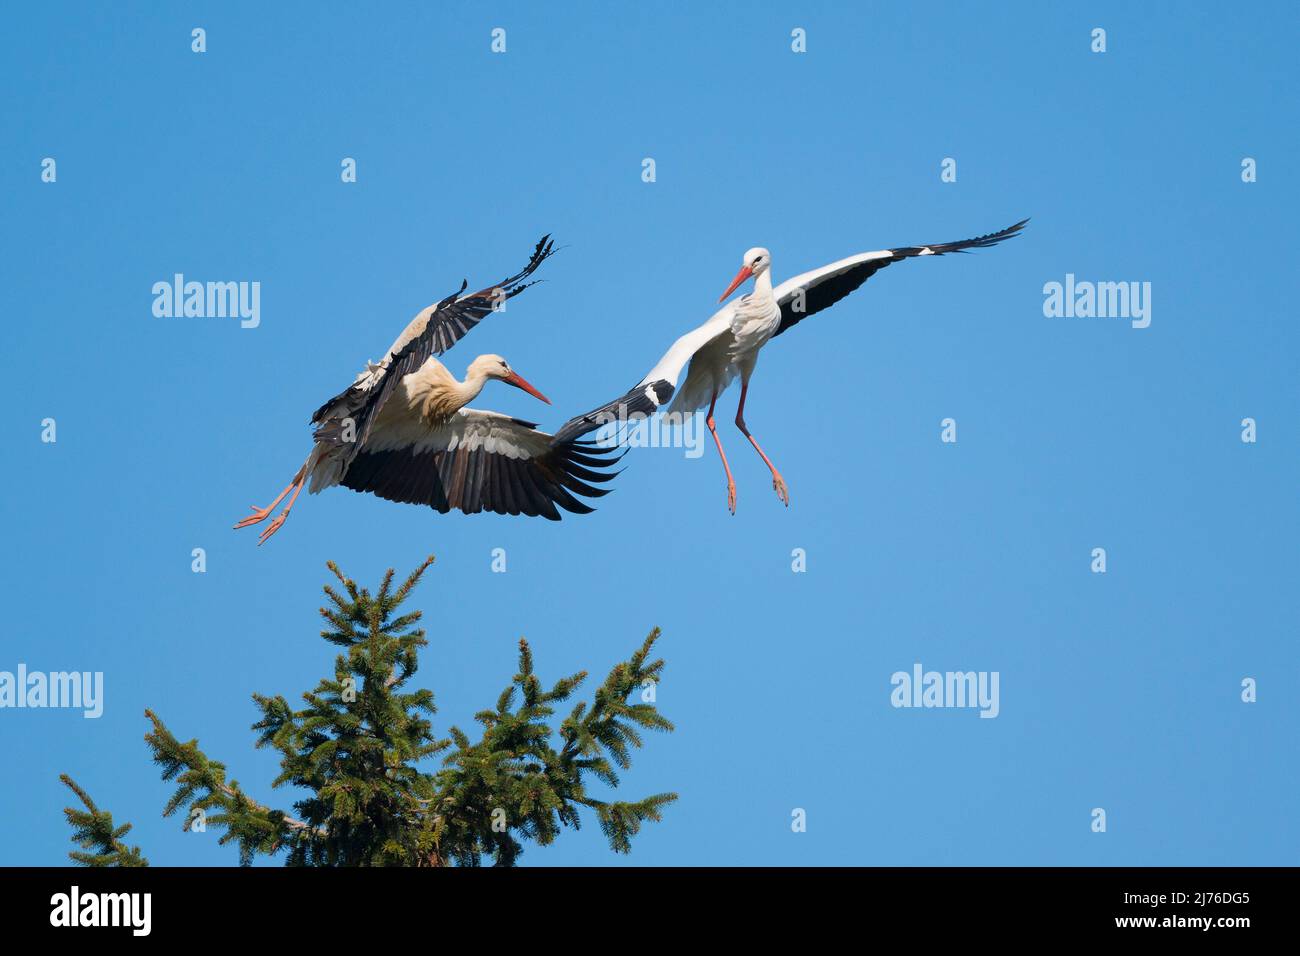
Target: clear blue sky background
[{"x": 1119, "y": 691}]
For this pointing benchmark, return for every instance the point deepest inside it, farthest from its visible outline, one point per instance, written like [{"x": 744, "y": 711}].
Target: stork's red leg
[
  {"x": 299, "y": 480},
  {"x": 778, "y": 483},
  {"x": 261, "y": 514},
  {"x": 731, "y": 483}
]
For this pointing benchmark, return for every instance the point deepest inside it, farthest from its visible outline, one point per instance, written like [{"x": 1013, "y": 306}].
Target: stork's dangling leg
[
  {"x": 261, "y": 514},
  {"x": 274, "y": 526},
  {"x": 778, "y": 483},
  {"x": 731, "y": 483}
]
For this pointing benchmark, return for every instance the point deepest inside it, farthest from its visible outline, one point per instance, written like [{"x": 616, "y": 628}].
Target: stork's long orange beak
[
  {"x": 744, "y": 273},
  {"x": 517, "y": 380}
]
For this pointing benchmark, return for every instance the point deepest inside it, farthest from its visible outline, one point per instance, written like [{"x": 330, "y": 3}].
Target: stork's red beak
[
  {"x": 744, "y": 273},
  {"x": 517, "y": 380}
]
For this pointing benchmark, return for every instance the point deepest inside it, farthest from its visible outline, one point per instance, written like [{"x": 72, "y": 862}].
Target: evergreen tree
[{"x": 361, "y": 747}]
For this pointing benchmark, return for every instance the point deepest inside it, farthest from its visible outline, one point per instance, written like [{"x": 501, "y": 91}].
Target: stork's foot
[
  {"x": 273, "y": 527},
  {"x": 731, "y": 497},
  {"x": 782, "y": 492},
  {"x": 259, "y": 514}
]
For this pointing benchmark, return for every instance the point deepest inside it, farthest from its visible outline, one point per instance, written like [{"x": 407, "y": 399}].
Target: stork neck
[
  {"x": 469, "y": 389},
  {"x": 763, "y": 286}
]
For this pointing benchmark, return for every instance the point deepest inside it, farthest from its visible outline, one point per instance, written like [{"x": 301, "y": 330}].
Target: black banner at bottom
[{"x": 267, "y": 904}]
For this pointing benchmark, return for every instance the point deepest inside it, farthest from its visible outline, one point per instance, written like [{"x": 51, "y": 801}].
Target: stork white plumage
[
  {"x": 728, "y": 344},
  {"x": 403, "y": 432}
]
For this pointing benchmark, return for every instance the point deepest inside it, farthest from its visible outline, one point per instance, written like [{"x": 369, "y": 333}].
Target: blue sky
[{"x": 1118, "y": 690}]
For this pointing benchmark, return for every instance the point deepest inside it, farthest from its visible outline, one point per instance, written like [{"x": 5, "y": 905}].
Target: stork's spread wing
[
  {"x": 481, "y": 461},
  {"x": 644, "y": 399},
  {"x": 653, "y": 391},
  {"x": 346, "y": 418},
  {"x": 821, "y": 288},
  {"x": 446, "y": 322}
]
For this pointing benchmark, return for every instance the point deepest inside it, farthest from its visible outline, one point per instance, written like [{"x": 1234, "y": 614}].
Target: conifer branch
[{"x": 99, "y": 838}]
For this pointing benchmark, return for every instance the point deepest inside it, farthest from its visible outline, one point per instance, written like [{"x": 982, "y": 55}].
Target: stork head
[
  {"x": 755, "y": 262},
  {"x": 494, "y": 366}
]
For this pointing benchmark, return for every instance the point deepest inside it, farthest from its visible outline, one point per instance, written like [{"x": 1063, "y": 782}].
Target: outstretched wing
[
  {"x": 481, "y": 461},
  {"x": 644, "y": 399},
  {"x": 347, "y": 417},
  {"x": 440, "y": 326},
  {"x": 810, "y": 293},
  {"x": 656, "y": 389}
]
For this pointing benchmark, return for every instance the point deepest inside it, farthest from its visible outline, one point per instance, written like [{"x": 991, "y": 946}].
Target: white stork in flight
[
  {"x": 402, "y": 429},
  {"x": 728, "y": 343}
]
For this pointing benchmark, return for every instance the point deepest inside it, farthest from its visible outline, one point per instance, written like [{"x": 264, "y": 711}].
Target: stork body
[
  {"x": 753, "y": 320},
  {"x": 727, "y": 345},
  {"x": 403, "y": 429}
]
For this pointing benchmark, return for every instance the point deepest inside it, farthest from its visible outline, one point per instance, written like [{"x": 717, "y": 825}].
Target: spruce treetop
[{"x": 362, "y": 745}]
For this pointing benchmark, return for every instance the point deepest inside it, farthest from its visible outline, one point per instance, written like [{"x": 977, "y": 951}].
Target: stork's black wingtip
[{"x": 541, "y": 252}]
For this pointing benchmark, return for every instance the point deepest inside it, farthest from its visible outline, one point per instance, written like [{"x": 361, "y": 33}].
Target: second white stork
[
  {"x": 403, "y": 432},
  {"x": 728, "y": 344}
]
